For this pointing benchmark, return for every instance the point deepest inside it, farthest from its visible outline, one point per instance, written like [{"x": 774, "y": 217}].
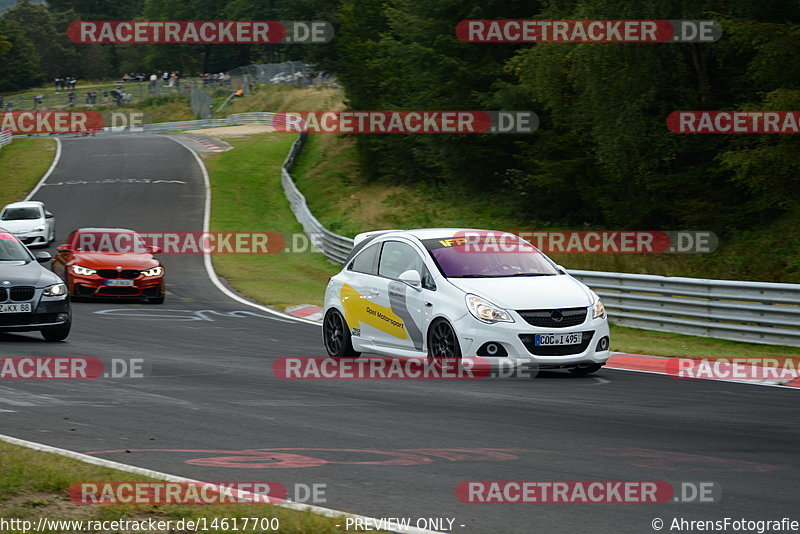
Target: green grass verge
[
  {"x": 23, "y": 162},
  {"x": 36, "y": 484},
  {"x": 247, "y": 196}
]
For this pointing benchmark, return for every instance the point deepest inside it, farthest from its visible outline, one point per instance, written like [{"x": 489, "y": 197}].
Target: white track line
[
  {"x": 49, "y": 171},
  {"x": 327, "y": 512},
  {"x": 212, "y": 275}
]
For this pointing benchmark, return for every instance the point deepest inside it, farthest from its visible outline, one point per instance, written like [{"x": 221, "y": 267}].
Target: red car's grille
[{"x": 128, "y": 274}]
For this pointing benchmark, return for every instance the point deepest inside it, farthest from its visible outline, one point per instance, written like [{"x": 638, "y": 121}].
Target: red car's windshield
[
  {"x": 109, "y": 242},
  {"x": 488, "y": 257}
]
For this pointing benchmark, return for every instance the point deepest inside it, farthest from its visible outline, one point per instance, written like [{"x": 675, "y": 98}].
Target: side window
[
  {"x": 398, "y": 258},
  {"x": 364, "y": 262}
]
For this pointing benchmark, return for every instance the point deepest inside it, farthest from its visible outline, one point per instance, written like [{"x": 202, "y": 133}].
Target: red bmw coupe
[{"x": 110, "y": 262}]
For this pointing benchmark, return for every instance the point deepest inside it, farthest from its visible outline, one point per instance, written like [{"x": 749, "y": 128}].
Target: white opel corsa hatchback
[{"x": 444, "y": 293}]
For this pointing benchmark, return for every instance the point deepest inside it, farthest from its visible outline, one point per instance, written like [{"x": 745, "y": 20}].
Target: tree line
[{"x": 602, "y": 154}]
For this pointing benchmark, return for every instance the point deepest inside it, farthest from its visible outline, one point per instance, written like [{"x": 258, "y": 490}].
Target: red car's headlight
[
  {"x": 155, "y": 271},
  {"x": 83, "y": 271}
]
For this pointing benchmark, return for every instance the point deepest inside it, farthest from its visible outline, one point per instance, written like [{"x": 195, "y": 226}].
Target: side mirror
[
  {"x": 154, "y": 249},
  {"x": 48, "y": 215},
  {"x": 411, "y": 278},
  {"x": 43, "y": 257},
  {"x": 63, "y": 248}
]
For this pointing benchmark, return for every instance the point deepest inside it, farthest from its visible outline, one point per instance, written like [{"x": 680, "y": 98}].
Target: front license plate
[
  {"x": 119, "y": 282},
  {"x": 544, "y": 340},
  {"x": 15, "y": 308}
]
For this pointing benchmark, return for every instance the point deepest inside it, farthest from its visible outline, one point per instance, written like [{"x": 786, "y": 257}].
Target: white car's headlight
[
  {"x": 485, "y": 311},
  {"x": 56, "y": 290},
  {"x": 39, "y": 228},
  {"x": 155, "y": 271},
  {"x": 598, "y": 309},
  {"x": 83, "y": 271}
]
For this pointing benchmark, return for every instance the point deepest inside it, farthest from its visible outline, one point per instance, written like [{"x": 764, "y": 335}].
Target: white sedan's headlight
[
  {"x": 39, "y": 228},
  {"x": 599, "y": 310},
  {"x": 485, "y": 311},
  {"x": 155, "y": 271},
  {"x": 83, "y": 271},
  {"x": 56, "y": 290}
]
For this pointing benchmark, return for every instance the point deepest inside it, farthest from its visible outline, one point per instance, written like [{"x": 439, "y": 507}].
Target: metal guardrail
[
  {"x": 758, "y": 312},
  {"x": 335, "y": 247},
  {"x": 5, "y": 137}
]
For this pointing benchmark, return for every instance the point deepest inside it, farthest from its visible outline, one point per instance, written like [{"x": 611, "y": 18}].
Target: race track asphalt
[{"x": 211, "y": 408}]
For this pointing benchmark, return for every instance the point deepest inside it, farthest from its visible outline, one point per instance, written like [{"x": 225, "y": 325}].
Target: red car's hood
[{"x": 105, "y": 260}]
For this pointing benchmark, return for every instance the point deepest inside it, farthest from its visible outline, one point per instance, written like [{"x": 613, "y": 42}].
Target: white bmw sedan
[{"x": 445, "y": 293}]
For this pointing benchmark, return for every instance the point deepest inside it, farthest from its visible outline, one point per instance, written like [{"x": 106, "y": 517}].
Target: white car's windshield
[
  {"x": 11, "y": 249},
  {"x": 486, "y": 257},
  {"x": 21, "y": 214}
]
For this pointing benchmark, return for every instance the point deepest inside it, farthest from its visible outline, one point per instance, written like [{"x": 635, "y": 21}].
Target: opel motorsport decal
[
  {"x": 359, "y": 309},
  {"x": 396, "y": 320}
]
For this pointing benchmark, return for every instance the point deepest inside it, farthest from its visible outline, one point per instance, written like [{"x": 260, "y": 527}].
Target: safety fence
[
  {"x": 758, "y": 312},
  {"x": 5, "y": 137}
]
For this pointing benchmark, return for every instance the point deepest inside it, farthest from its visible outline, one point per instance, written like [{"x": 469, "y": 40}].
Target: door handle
[{"x": 429, "y": 304}]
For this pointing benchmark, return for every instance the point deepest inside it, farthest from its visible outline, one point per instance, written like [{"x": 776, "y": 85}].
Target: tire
[
  {"x": 585, "y": 370},
  {"x": 443, "y": 344},
  {"x": 56, "y": 333},
  {"x": 336, "y": 336}
]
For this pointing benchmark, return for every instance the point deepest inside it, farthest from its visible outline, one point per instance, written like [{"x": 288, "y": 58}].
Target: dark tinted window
[
  {"x": 486, "y": 258},
  {"x": 397, "y": 258},
  {"x": 365, "y": 261},
  {"x": 11, "y": 249},
  {"x": 21, "y": 214}
]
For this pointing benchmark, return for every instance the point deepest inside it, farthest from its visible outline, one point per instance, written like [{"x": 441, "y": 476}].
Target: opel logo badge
[
  {"x": 556, "y": 316},
  {"x": 6, "y": 283}
]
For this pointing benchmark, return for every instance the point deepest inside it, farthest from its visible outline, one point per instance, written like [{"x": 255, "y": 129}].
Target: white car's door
[
  {"x": 402, "y": 314},
  {"x": 358, "y": 294}
]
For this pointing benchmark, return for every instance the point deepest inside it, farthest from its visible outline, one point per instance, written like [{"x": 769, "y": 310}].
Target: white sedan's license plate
[
  {"x": 119, "y": 282},
  {"x": 544, "y": 340},
  {"x": 15, "y": 308}
]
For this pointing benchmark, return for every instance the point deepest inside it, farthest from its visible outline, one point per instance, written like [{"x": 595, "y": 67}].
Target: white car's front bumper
[
  {"x": 33, "y": 238},
  {"x": 517, "y": 339}
]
